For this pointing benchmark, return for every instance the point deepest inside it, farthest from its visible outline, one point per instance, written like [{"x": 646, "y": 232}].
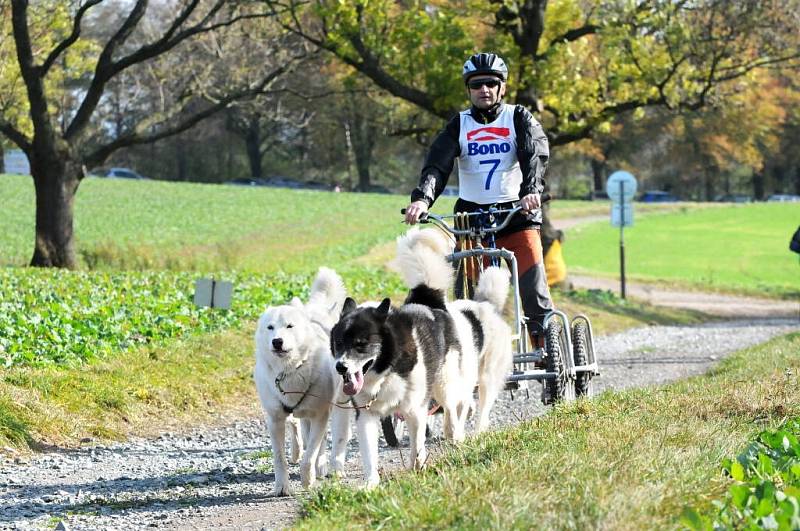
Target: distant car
[
  {"x": 245, "y": 181},
  {"x": 120, "y": 173},
  {"x": 657, "y": 196},
  {"x": 735, "y": 198},
  {"x": 282, "y": 182},
  {"x": 784, "y": 198},
  {"x": 315, "y": 185}
]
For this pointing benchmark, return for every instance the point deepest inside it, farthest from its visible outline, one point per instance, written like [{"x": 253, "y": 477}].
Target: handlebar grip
[
  {"x": 422, "y": 219},
  {"x": 546, "y": 197}
]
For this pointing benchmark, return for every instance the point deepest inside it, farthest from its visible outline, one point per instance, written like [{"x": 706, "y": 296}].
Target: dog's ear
[
  {"x": 296, "y": 302},
  {"x": 383, "y": 308},
  {"x": 349, "y": 306}
]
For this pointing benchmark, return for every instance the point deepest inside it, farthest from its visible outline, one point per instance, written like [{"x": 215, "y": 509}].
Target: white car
[
  {"x": 119, "y": 173},
  {"x": 784, "y": 198}
]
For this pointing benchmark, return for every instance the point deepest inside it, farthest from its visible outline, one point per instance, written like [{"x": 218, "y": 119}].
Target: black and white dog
[{"x": 394, "y": 360}]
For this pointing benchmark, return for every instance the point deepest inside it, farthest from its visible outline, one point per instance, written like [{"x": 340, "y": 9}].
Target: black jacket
[{"x": 533, "y": 154}]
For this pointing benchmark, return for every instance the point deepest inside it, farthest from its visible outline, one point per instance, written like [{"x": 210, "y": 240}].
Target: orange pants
[{"x": 526, "y": 245}]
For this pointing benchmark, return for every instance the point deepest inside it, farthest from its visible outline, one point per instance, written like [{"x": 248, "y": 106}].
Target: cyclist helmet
[{"x": 485, "y": 63}]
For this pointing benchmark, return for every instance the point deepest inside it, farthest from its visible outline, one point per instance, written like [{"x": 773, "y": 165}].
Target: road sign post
[{"x": 621, "y": 187}]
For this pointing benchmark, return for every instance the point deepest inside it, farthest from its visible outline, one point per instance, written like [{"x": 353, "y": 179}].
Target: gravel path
[{"x": 217, "y": 479}]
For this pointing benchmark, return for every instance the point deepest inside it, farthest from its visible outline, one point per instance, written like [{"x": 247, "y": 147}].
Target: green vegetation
[
  {"x": 743, "y": 248},
  {"x": 626, "y": 460},
  {"x": 766, "y": 489},
  {"x": 56, "y": 316}
]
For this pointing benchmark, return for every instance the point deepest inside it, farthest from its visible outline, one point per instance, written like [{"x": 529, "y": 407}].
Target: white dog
[{"x": 295, "y": 377}]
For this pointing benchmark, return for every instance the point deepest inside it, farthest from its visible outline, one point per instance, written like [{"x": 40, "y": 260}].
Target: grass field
[
  {"x": 187, "y": 226},
  {"x": 740, "y": 248}
]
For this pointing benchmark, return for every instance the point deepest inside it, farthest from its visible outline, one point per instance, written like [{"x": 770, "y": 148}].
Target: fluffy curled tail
[
  {"x": 421, "y": 259},
  {"x": 493, "y": 288},
  {"x": 327, "y": 291}
]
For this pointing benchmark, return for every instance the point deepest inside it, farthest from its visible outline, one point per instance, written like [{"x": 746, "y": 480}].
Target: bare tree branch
[
  {"x": 368, "y": 64},
  {"x": 572, "y": 35},
  {"x": 106, "y": 68},
  {"x": 15, "y": 135},
  {"x": 69, "y": 41},
  {"x": 30, "y": 73},
  {"x": 137, "y": 137},
  {"x": 103, "y": 70}
]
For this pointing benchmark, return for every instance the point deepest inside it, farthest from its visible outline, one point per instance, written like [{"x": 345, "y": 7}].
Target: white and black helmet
[{"x": 485, "y": 63}]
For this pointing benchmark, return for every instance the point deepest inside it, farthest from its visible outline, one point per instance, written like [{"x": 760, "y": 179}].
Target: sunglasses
[{"x": 478, "y": 83}]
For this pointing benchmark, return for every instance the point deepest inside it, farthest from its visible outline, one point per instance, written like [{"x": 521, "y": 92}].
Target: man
[{"x": 502, "y": 155}]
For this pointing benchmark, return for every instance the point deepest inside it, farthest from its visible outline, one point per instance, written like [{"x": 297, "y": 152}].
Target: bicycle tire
[
  {"x": 580, "y": 353},
  {"x": 555, "y": 389}
]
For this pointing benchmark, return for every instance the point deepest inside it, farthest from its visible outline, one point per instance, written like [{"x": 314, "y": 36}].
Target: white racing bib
[{"x": 488, "y": 169}]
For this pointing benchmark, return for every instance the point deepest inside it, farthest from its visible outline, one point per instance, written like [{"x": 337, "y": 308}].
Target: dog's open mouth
[
  {"x": 280, "y": 352},
  {"x": 353, "y": 382}
]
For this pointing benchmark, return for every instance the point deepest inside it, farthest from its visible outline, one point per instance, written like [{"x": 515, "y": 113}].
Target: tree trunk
[
  {"x": 2, "y": 159},
  {"x": 181, "y": 159},
  {"x": 797, "y": 179},
  {"x": 708, "y": 183},
  {"x": 758, "y": 185},
  {"x": 55, "y": 181},
  {"x": 599, "y": 175},
  {"x": 252, "y": 140},
  {"x": 364, "y": 134}
]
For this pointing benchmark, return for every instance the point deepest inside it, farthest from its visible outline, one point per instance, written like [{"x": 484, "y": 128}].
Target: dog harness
[{"x": 289, "y": 409}]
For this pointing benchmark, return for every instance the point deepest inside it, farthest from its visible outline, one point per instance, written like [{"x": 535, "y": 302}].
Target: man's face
[{"x": 485, "y": 91}]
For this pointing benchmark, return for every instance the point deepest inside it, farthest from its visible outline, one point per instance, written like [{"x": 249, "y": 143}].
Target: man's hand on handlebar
[
  {"x": 530, "y": 202},
  {"x": 415, "y": 210}
]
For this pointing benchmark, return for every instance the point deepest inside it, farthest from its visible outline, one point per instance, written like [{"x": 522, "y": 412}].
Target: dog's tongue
[{"x": 353, "y": 384}]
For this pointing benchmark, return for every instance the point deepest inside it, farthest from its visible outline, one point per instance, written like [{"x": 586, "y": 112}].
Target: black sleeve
[
  {"x": 533, "y": 151},
  {"x": 439, "y": 163}
]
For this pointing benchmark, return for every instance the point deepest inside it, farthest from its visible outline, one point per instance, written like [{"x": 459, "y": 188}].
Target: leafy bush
[
  {"x": 63, "y": 317},
  {"x": 766, "y": 489}
]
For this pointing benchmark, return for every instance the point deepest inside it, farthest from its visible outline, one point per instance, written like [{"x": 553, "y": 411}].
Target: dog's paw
[
  {"x": 337, "y": 470},
  {"x": 420, "y": 462},
  {"x": 307, "y": 475},
  {"x": 322, "y": 468},
  {"x": 282, "y": 489},
  {"x": 371, "y": 482}
]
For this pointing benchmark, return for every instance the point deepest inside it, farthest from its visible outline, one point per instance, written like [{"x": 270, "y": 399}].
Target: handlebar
[{"x": 440, "y": 220}]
